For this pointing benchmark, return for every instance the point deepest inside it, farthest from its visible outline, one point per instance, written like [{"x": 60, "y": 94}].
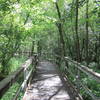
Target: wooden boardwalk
[{"x": 47, "y": 85}]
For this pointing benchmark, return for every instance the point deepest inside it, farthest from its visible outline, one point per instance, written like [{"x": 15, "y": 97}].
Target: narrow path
[{"x": 47, "y": 85}]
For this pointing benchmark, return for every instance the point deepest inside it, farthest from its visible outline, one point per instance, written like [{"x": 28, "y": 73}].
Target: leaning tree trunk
[{"x": 60, "y": 28}]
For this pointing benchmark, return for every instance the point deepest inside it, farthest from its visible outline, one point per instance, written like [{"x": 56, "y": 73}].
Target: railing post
[
  {"x": 28, "y": 85},
  {"x": 25, "y": 75},
  {"x": 78, "y": 80},
  {"x": 36, "y": 60},
  {"x": 32, "y": 49}
]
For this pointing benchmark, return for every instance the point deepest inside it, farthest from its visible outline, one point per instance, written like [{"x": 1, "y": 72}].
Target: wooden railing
[
  {"x": 26, "y": 70},
  {"x": 76, "y": 71}
]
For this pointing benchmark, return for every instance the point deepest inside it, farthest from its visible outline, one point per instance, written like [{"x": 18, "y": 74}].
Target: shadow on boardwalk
[{"x": 47, "y": 85}]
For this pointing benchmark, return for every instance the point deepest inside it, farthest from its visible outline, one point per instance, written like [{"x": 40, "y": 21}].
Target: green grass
[
  {"x": 11, "y": 92},
  {"x": 88, "y": 81},
  {"x": 14, "y": 64}
]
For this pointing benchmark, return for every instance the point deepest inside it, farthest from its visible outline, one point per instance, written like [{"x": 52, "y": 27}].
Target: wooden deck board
[{"x": 47, "y": 85}]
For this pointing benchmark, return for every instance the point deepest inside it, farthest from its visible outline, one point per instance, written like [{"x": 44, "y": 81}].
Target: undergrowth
[
  {"x": 14, "y": 64},
  {"x": 93, "y": 86},
  {"x": 11, "y": 93}
]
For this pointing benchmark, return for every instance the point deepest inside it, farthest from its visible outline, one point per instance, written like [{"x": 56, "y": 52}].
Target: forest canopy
[
  {"x": 49, "y": 27},
  {"x": 40, "y": 20}
]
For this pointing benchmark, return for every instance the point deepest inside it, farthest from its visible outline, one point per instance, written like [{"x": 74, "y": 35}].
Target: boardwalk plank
[{"x": 47, "y": 85}]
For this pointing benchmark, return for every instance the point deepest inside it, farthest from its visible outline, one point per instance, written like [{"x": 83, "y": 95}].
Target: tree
[
  {"x": 77, "y": 36},
  {"x": 87, "y": 34}
]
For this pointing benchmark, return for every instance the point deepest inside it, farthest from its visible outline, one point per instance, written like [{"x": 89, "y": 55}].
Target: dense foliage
[{"x": 63, "y": 27}]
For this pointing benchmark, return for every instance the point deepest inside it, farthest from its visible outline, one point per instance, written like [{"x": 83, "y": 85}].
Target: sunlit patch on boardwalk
[{"x": 47, "y": 85}]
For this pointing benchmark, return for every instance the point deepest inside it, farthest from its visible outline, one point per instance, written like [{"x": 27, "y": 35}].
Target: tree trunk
[
  {"x": 87, "y": 35},
  {"x": 77, "y": 36},
  {"x": 60, "y": 28}
]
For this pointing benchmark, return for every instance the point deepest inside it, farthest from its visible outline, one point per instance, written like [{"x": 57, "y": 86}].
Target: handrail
[
  {"x": 11, "y": 79},
  {"x": 7, "y": 82},
  {"x": 85, "y": 70}
]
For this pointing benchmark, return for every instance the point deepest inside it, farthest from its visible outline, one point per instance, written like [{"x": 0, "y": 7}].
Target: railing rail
[
  {"x": 86, "y": 70},
  {"x": 7, "y": 82},
  {"x": 81, "y": 69},
  {"x": 11, "y": 79}
]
